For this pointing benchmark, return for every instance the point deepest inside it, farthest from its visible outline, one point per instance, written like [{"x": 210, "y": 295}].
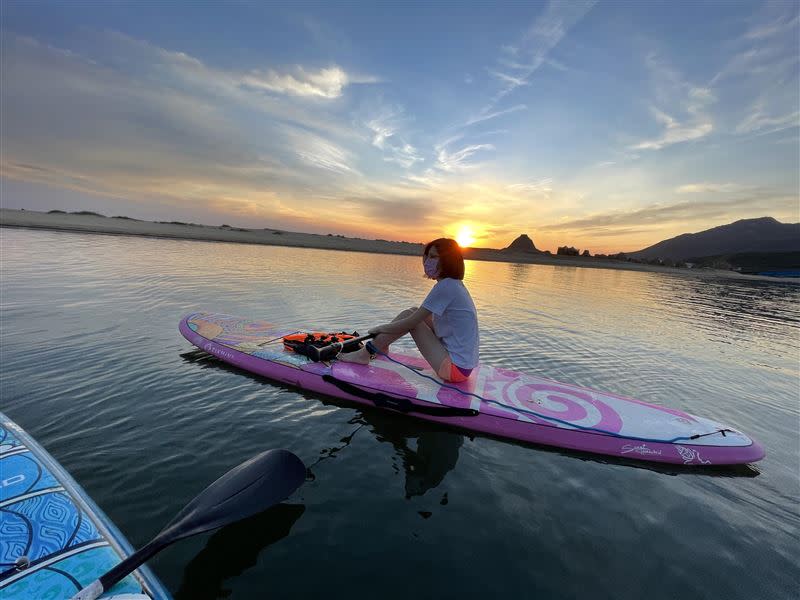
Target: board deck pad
[
  {"x": 509, "y": 403},
  {"x": 48, "y": 519}
]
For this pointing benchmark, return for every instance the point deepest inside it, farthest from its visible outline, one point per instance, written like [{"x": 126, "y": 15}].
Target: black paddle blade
[
  {"x": 250, "y": 488},
  {"x": 253, "y": 486}
]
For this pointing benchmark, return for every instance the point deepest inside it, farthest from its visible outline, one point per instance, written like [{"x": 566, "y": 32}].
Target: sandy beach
[{"x": 89, "y": 223}]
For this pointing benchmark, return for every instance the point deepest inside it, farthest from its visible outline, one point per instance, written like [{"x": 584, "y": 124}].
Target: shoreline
[{"x": 87, "y": 223}]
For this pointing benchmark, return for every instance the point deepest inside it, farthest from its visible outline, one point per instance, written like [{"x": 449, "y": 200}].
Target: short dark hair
[{"x": 451, "y": 261}]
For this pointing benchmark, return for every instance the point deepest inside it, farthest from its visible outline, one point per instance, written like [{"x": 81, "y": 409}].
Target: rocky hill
[
  {"x": 522, "y": 244},
  {"x": 748, "y": 235}
]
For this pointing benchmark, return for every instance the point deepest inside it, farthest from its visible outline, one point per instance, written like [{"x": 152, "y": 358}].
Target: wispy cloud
[
  {"x": 699, "y": 188},
  {"x": 385, "y": 129},
  {"x": 191, "y": 133},
  {"x": 684, "y": 212},
  {"x": 778, "y": 18},
  {"x": 433, "y": 178},
  {"x": 460, "y": 159},
  {"x": 404, "y": 155},
  {"x": 510, "y": 79},
  {"x": 762, "y": 71},
  {"x": 322, "y": 153},
  {"x": 514, "y": 69},
  {"x": 675, "y": 132},
  {"x": 759, "y": 120},
  {"x": 142, "y": 66},
  {"x": 531, "y": 51},
  {"x": 324, "y": 83},
  {"x": 761, "y": 60},
  {"x": 381, "y": 130},
  {"x": 687, "y": 101},
  {"x": 499, "y": 113}
]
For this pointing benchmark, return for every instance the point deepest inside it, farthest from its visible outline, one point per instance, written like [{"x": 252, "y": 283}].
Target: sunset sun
[{"x": 465, "y": 236}]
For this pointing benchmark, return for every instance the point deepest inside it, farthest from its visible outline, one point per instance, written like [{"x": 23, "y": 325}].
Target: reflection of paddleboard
[
  {"x": 53, "y": 539},
  {"x": 495, "y": 401}
]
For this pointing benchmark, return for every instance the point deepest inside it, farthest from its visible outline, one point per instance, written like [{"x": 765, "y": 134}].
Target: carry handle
[{"x": 330, "y": 351}]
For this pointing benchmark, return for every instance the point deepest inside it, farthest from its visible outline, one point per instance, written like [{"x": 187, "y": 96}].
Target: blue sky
[{"x": 603, "y": 125}]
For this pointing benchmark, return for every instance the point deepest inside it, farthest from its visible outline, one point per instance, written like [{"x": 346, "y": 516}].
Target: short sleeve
[{"x": 438, "y": 299}]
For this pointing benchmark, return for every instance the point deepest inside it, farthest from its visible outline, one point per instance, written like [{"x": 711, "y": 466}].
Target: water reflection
[
  {"x": 333, "y": 451},
  {"x": 519, "y": 273},
  {"x": 234, "y": 549},
  {"x": 435, "y": 455},
  {"x": 425, "y": 466}
]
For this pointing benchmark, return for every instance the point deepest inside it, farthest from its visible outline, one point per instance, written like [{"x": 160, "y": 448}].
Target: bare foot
[{"x": 360, "y": 356}]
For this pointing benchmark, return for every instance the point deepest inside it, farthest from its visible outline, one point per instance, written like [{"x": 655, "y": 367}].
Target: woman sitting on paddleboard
[{"x": 445, "y": 327}]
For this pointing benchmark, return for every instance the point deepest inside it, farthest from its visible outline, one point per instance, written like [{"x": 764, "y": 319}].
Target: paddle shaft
[
  {"x": 251, "y": 487},
  {"x": 126, "y": 567},
  {"x": 330, "y": 351}
]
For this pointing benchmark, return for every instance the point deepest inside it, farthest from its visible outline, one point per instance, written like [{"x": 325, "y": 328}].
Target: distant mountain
[
  {"x": 522, "y": 244},
  {"x": 748, "y": 235}
]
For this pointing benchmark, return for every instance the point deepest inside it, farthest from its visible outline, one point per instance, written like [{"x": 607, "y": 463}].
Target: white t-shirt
[{"x": 455, "y": 321}]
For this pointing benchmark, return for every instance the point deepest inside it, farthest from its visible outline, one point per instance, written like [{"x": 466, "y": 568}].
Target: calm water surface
[{"x": 94, "y": 367}]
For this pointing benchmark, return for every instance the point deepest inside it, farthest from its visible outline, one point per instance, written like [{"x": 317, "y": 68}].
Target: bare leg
[
  {"x": 381, "y": 341},
  {"x": 431, "y": 346},
  {"x": 384, "y": 340}
]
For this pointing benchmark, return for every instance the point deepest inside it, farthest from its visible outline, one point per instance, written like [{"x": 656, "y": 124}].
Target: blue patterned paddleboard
[{"x": 54, "y": 539}]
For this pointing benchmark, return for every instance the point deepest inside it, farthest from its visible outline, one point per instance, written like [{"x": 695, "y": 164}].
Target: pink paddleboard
[{"x": 494, "y": 401}]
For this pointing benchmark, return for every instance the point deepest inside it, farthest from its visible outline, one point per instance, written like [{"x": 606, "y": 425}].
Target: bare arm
[{"x": 403, "y": 326}]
